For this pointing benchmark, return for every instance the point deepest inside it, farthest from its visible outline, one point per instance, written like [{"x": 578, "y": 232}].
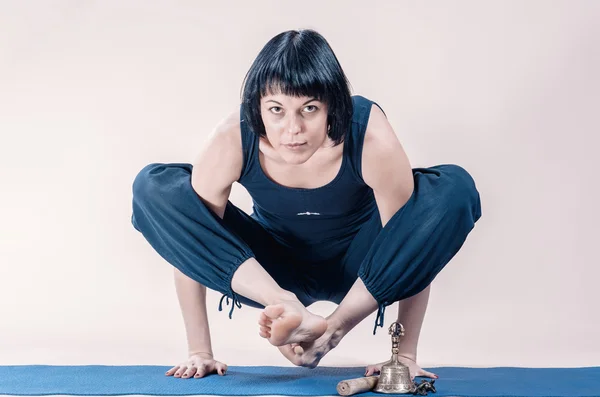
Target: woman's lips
[{"x": 294, "y": 146}]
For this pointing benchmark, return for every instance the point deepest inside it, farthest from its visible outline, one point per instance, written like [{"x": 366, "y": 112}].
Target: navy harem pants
[{"x": 394, "y": 262}]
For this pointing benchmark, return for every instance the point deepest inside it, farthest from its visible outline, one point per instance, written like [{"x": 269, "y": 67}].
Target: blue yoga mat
[{"x": 91, "y": 380}]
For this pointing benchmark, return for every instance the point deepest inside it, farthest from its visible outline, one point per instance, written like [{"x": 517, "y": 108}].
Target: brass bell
[{"x": 394, "y": 376}]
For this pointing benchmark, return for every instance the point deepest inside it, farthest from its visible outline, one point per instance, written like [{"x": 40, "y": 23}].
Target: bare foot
[
  {"x": 289, "y": 322},
  {"x": 309, "y": 354}
]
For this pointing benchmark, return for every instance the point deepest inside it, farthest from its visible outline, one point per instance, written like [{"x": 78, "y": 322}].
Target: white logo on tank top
[{"x": 308, "y": 213}]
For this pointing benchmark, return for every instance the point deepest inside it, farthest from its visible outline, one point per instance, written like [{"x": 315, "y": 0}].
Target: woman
[{"x": 339, "y": 214}]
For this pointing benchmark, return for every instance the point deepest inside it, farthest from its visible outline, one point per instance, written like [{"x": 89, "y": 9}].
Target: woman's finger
[
  {"x": 372, "y": 369},
  {"x": 190, "y": 372},
  {"x": 180, "y": 371},
  {"x": 221, "y": 368},
  {"x": 288, "y": 353},
  {"x": 297, "y": 348},
  {"x": 201, "y": 372},
  {"x": 172, "y": 371},
  {"x": 370, "y": 372},
  {"x": 427, "y": 374}
]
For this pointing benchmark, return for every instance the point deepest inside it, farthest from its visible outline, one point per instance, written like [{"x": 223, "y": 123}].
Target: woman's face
[{"x": 296, "y": 127}]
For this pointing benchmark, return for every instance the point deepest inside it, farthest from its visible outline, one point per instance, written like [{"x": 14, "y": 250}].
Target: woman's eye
[{"x": 277, "y": 109}]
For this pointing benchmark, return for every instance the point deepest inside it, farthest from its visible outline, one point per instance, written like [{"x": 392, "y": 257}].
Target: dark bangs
[{"x": 299, "y": 63}]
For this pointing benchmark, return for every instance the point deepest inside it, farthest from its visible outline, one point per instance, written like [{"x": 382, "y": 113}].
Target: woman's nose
[{"x": 294, "y": 126}]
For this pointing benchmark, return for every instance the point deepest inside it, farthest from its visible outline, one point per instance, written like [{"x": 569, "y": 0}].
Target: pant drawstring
[
  {"x": 235, "y": 302},
  {"x": 379, "y": 319}
]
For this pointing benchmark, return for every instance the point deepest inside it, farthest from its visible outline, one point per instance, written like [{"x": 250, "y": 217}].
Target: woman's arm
[
  {"x": 219, "y": 164},
  {"x": 192, "y": 301},
  {"x": 214, "y": 171},
  {"x": 387, "y": 170},
  {"x": 385, "y": 166}
]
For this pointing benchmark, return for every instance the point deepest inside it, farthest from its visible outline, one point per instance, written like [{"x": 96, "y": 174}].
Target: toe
[
  {"x": 274, "y": 311},
  {"x": 263, "y": 319},
  {"x": 264, "y": 332}
]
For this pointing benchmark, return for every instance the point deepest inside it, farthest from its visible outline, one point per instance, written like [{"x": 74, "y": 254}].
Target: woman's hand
[
  {"x": 197, "y": 366},
  {"x": 414, "y": 369}
]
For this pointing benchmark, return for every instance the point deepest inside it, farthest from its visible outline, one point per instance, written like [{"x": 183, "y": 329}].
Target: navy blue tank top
[{"x": 316, "y": 224}]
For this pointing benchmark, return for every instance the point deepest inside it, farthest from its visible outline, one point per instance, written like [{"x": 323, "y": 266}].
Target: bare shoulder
[
  {"x": 221, "y": 156},
  {"x": 379, "y": 131},
  {"x": 380, "y": 142},
  {"x": 384, "y": 162},
  {"x": 227, "y": 132}
]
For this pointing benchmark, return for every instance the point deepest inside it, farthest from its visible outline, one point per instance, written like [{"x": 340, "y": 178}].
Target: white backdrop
[{"x": 91, "y": 91}]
